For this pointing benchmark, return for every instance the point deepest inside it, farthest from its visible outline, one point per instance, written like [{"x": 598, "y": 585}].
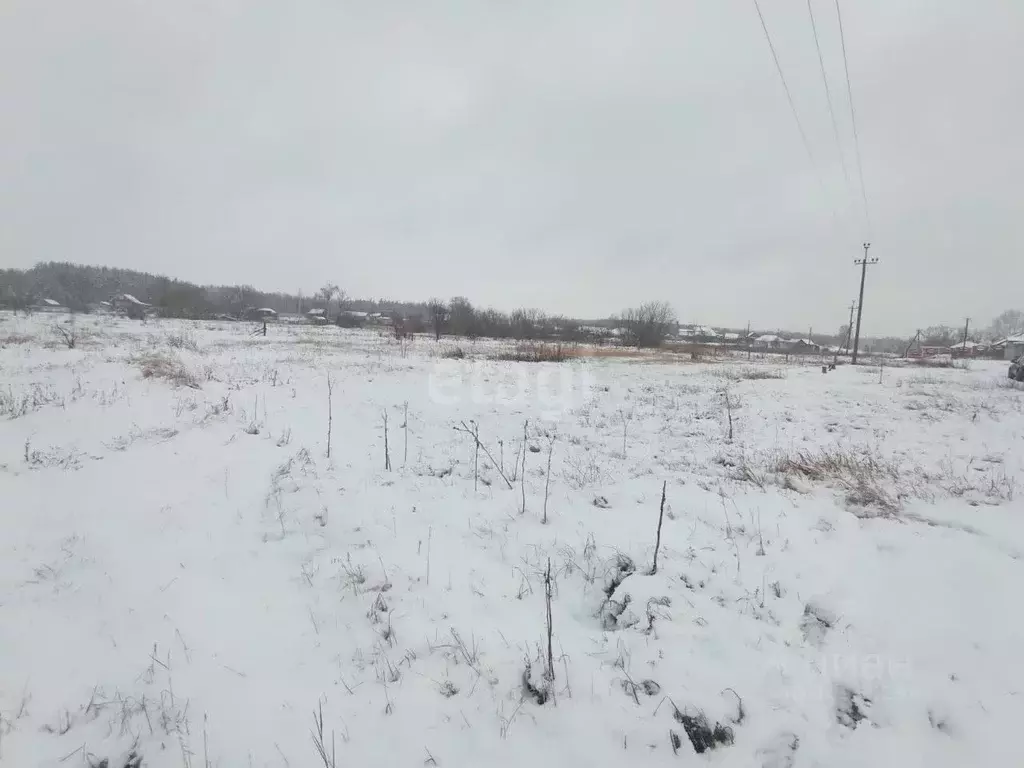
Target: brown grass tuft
[
  {"x": 530, "y": 352},
  {"x": 171, "y": 368},
  {"x": 863, "y": 475}
]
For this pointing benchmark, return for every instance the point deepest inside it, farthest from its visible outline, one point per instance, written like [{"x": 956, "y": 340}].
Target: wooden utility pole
[
  {"x": 846, "y": 342},
  {"x": 967, "y": 326},
  {"x": 849, "y": 326},
  {"x": 863, "y": 264}
]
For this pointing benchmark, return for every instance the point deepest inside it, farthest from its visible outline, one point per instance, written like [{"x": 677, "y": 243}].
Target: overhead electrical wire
[
  {"x": 785, "y": 87},
  {"x": 796, "y": 115},
  {"x": 828, "y": 96},
  {"x": 853, "y": 120}
]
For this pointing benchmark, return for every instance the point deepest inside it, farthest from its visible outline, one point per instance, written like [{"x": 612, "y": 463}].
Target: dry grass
[
  {"x": 15, "y": 338},
  {"x": 15, "y": 404},
  {"x": 171, "y": 368},
  {"x": 928, "y": 362},
  {"x": 869, "y": 480},
  {"x": 183, "y": 339},
  {"x": 531, "y": 352},
  {"x": 453, "y": 353},
  {"x": 753, "y": 373}
]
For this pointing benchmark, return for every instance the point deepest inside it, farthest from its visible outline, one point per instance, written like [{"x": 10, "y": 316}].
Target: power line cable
[
  {"x": 785, "y": 86},
  {"x": 796, "y": 115},
  {"x": 853, "y": 119},
  {"x": 828, "y": 96}
]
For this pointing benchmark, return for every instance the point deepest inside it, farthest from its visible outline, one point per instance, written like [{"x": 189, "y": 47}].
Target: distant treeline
[{"x": 82, "y": 288}]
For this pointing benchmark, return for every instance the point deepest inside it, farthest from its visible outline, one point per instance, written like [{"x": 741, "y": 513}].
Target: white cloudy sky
[{"x": 574, "y": 155}]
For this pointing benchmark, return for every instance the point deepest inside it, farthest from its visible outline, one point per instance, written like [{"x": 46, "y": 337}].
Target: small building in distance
[
  {"x": 1012, "y": 347},
  {"x": 317, "y": 316},
  {"x": 351, "y": 319},
  {"x": 126, "y": 304},
  {"x": 262, "y": 313},
  {"x": 48, "y": 305},
  {"x": 698, "y": 333},
  {"x": 969, "y": 349},
  {"x": 806, "y": 346},
  {"x": 767, "y": 341}
]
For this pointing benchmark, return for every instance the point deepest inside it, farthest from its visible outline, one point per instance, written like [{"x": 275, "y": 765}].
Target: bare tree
[
  {"x": 939, "y": 336},
  {"x": 438, "y": 315},
  {"x": 462, "y": 317},
  {"x": 1009, "y": 323},
  {"x": 330, "y": 292},
  {"x": 648, "y": 324}
]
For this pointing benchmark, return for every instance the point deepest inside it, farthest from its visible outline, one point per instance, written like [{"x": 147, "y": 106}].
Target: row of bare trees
[
  {"x": 1008, "y": 323},
  {"x": 648, "y": 324},
  {"x": 458, "y": 317}
]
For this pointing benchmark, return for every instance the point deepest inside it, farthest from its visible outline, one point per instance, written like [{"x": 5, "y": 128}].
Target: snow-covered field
[{"x": 186, "y": 576}]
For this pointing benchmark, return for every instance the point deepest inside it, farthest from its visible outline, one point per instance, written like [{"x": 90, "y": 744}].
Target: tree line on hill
[{"x": 81, "y": 288}]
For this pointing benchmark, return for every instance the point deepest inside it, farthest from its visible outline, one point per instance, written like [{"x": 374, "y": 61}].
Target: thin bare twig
[
  {"x": 661, "y": 517},
  {"x": 475, "y": 434},
  {"x": 547, "y": 481},
  {"x": 330, "y": 411},
  {"x": 549, "y": 673}
]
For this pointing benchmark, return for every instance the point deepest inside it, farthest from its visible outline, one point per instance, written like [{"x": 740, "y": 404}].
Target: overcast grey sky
[{"x": 573, "y": 155}]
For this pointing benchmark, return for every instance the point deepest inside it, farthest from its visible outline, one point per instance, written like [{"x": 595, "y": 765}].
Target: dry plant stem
[
  {"x": 329, "y": 760},
  {"x": 474, "y": 432},
  {"x": 549, "y": 673},
  {"x": 330, "y": 411},
  {"x": 661, "y": 518},
  {"x": 725, "y": 511},
  {"x": 387, "y": 454},
  {"x": 522, "y": 478},
  {"x": 547, "y": 480}
]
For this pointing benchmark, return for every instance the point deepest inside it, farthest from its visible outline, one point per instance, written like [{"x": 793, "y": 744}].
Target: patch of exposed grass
[
  {"x": 869, "y": 480},
  {"x": 753, "y": 373},
  {"x": 17, "y": 403},
  {"x": 169, "y": 367},
  {"x": 931, "y": 362},
  {"x": 531, "y": 352},
  {"x": 11, "y": 339},
  {"x": 183, "y": 339}
]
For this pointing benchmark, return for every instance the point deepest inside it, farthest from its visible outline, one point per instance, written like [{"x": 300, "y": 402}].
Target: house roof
[
  {"x": 132, "y": 300},
  {"x": 769, "y": 337},
  {"x": 51, "y": 303},
  {"x": 317, "y": 312},
  {"x": 697, "y": 330},
  {"x": 268, "y": 310}
]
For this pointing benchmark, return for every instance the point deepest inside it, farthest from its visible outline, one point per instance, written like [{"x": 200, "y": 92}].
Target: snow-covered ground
[{"x": 186, "y": 577}]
